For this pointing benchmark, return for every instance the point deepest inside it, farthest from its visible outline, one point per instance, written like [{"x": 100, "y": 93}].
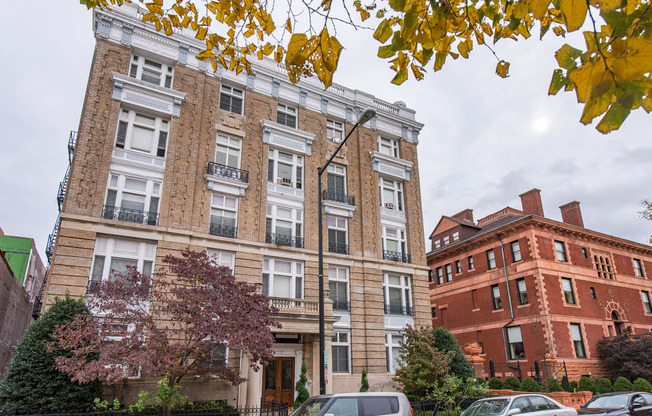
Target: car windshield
[
  {"x": 607, "y": 402},
  {"x": 311, "y": 406},
  {"x": 486, "y": 407}
]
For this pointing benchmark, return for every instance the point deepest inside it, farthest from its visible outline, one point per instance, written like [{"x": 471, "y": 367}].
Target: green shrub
[
  {"x": 459, "y": 365},
  {"x": 530, "y": 385},
  {"x": 303, "y": 393},
  {"x": 496, "y": 384},
  {"x": 364, "y": 383},
  {"x": 622, "y": 384},
  {"x": 641, "y": 384},
  {"x": 586, "y": 384},
  {"x": 550, "y": 384},
  {"x": 512, "y": 383},
  {"x": 565, "y": 384},
  {"x": 574, "y": 386},
  {"x": 604, "y": 386}
]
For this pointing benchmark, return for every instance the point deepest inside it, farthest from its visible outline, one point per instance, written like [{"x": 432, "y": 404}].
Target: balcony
[
  {"x": 294, "y": 305},
  {"x": 223, "y": 230},
  {"x": 398, "y": 309},
  {"x": 338, "y": 196},
  {"x": 341, "y": 305},
  {"x": 339, "y": 248},
  {"x": 227, "y": 172},
  {"x": 111, "y": 212},
  {"x": 284, "y": 240},
  {"x": 396, "y": 256}
]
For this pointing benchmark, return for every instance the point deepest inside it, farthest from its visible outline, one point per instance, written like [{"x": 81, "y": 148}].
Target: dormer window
[{"x": 151, "y": 71}]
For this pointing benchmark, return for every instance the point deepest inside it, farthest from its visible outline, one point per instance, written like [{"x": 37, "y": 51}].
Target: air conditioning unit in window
[
  {"x": 286, "y": 181},
  {"x": 389, "y": 205}
]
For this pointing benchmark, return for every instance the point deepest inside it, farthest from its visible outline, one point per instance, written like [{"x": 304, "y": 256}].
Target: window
[
  {"x": 142, "y": 133},
  {"x": 227, "y": 151},
  {"x": 222, "y": 258},
  {"x": 603, "y": 266},
  {"x": 336, "y": 181},
  {"x": 340, "y": 406},
  {"x": 397, "y": 294},
  {"x": 523, "y": 404},
  {"x": 516, "y": 251},
  {"x": 569, "y": 295},
  {"x": 593, "y": 295},
  {"x": 284, "y": 226},
  {"x": 334, "y": 131},
  {"x": 585, "y": 253},
  {"x": 495, "y": 293},
  {"x": 447, "y": 240},
  {"x": 560, "y": 249},
  {"x": 491, "y": 259},
  {"x": 132, "y": 200},
  {"x": 394, "y": 245},
  {"x": 218, "y": 359},
  {"x": 285, "y": 169},
  {"x": 338, "y": 285},
  {"x": 387, "y": 146},
  {"x": 224, "y": 213},
  {"x": 231, "y": 99},
  {"x": 391, "y": 194},
  {"x": 458, "y": 267},
  {"x": 286, "y": 115},
  {"x": 638, "y": 268},
  {"x": 378, "y": 406},
  {"x": 516, "y": 349},
  {"x": 645, "y": 295},
  {"x": 522, "y": 292},
  {"x": 456, "y": 236},
  {"x": 578, "y": 342},
  {"x": 341, "y": 351},
  {"x": 440, "y": 276},
  {"x": 449, "y": 273},
  {"x": 337, "y": 242},
  {"x": 283, "y": 278},
  {"x": 433, "y": 312},
  {"x": 437, "y": 243},
  {"x": 151, "y": 71},
  {"x": 430, "y": 279},
  {"x": 112, "y": 256},
  {"x": 392, "y": 350},
  {"x": 474, "y": 299},
  {"x": 469, "y": 260}
]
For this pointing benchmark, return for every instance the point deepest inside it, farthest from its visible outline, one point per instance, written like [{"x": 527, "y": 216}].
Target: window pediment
[
  {"x": 146, "y": 95},
  {"x": 288, "y": 138},
  {"x": 392, "y": 167}
]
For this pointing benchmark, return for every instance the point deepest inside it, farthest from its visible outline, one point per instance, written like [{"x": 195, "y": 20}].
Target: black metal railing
[
  {"x": 284, "y": 240},
  {"x": 223, "y": 230},
  {"x": 425, "y": 407},
  {"x": 396, "y": 256},
  {"x": 229, "y": 172},
  {"x": 341, "y": 305},
  {"x": 63, "y": 186},
  {"x": 398, "y": 309},
  {"x": 338, "y": 196},
  {"x": 339, "y": 248},
  {"x": 111, "y": 212},
  {"x": 508, "y": 370},
  {"x": 52, "y": 239}
]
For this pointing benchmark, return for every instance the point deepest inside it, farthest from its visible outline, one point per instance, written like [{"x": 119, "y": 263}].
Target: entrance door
[{"x": 278, "y": 380}]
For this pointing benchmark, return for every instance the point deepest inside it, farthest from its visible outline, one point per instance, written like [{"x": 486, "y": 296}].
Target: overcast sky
[{"x": 485, "y": 141}]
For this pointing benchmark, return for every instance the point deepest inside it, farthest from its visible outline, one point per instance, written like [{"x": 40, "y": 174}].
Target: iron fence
[{"x": 267, "y": 409}]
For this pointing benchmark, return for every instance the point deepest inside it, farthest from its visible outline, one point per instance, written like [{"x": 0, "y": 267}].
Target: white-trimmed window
[
  {"x": 337, "y": 235},
  {"x": 516, "y": 251},
  {"x": 132, "y": 199},
  {"x": 151, "y": 71},
  {"x": 522, "y": 291},
  {"x": 391, "y": 194},
  {"x": 224, "y": 215},
  {"x": 231, "y": 99},
  {"x": 285, "y": 169},
  {"x": 447, "y": 240},
  {"x": 222, "y": 258},
  {"x": 284, "y": 226},
  {"x": 495, "y": 295},
  {"x": 283, "y": 278},
  {"x": 338, "y": 285},
  {"x": 560, "y": 250},
  {"x": 469, "y": 261},
  {"x": 645, "y": 296},
  {"x": 397, "y": 292},
  {"x": 449, "y": 273},
  {"x": 456, "y": 236},
  {"x": 569, "y": 294},
  {"x": 336, "y": 181},
  {"x": 334, "y": 131},
  {"x": 219, "y": 357},
  {"x": 578, "y": 341},
  {"x": 491, "y": 259},
  {"x": 392, "y": 350},
  {"x": 227, "y": 151},
  {"x": 638, "y": 268},
  {"x": 286, "y": 115},
  {"x": 394, "y": 245},
  {"x": 440, "y": 276},
  {"x": 437, "y": 243},
  {"x": 142, "y": 133},
  {"x": 458, "y": 267},
  {"x": 388, "y": 146},
  {"x": 113, "y": 254},
  {"x": 341, "y": 345},
  {"x": 515, "y": 340}
]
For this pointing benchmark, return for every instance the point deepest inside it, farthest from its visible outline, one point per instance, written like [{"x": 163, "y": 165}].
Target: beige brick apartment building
[{"x": 170, "y": 155}]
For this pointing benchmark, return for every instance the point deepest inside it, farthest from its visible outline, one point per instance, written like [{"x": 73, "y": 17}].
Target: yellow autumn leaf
[
  {"x": 296, "y": 55},
  {"x": 383, "y": 31},
  {"x": 288, "y": 25},
  {"x": 463, "y": 49},
  {"x": 601, "y": 98},
  {"x": 574, "y": 13},
  {"x": 634, "y": 61},
  {"x": 586, "y": 77},
  {"x": 538, "y": 8},
  {"x": 502, "y": 69},
  {"x": 201, "y": 33}
]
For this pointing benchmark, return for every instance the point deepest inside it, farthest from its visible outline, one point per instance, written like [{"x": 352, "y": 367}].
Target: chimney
[
  {"x": 571, "y": 214},
  {"x": 531, "y": 202},
  {"x": 466, "y": 215}
]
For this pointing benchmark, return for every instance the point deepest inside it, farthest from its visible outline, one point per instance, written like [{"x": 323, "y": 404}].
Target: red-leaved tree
[{"x": 168, "y": 325}]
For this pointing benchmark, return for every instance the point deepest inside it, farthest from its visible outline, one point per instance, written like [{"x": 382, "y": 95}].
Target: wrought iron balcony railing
[
  {"x": 341, "y": 305},
  {"x": 397, "y": 309},
  {"x": 223, "y": 230},
  {"x": 284, "y": 240},
  {"x": 338, "y": 196},
  {"x": 228, "y": 172},
  {"x": 339, "y": 248},
  {"x": 111, "y": 212},
  {"x": 396, "y": 256}
]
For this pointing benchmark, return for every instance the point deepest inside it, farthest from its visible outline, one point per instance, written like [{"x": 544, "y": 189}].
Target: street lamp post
[{"x": 367, "y": 115}]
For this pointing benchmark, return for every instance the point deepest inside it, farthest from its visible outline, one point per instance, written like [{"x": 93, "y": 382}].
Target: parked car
[
  {"x": 632, "y": 403},
  {"x": 537, "y": 404},
  {"x": 356, "y": 404}
]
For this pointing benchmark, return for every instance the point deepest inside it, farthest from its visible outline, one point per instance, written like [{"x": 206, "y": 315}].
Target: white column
[
  {"x": 254, "y": 393},
  {"x": 244, "y": 373}
]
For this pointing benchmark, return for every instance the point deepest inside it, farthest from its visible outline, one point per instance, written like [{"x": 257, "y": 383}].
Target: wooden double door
[{"x": 278, "y": 380}]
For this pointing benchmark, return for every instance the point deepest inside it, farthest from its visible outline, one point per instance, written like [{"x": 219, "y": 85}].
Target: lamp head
[{"x": 367, "y": 115}]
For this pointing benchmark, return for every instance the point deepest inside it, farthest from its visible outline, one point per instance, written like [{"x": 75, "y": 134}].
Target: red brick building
[{"x": 529, "y": 288}]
